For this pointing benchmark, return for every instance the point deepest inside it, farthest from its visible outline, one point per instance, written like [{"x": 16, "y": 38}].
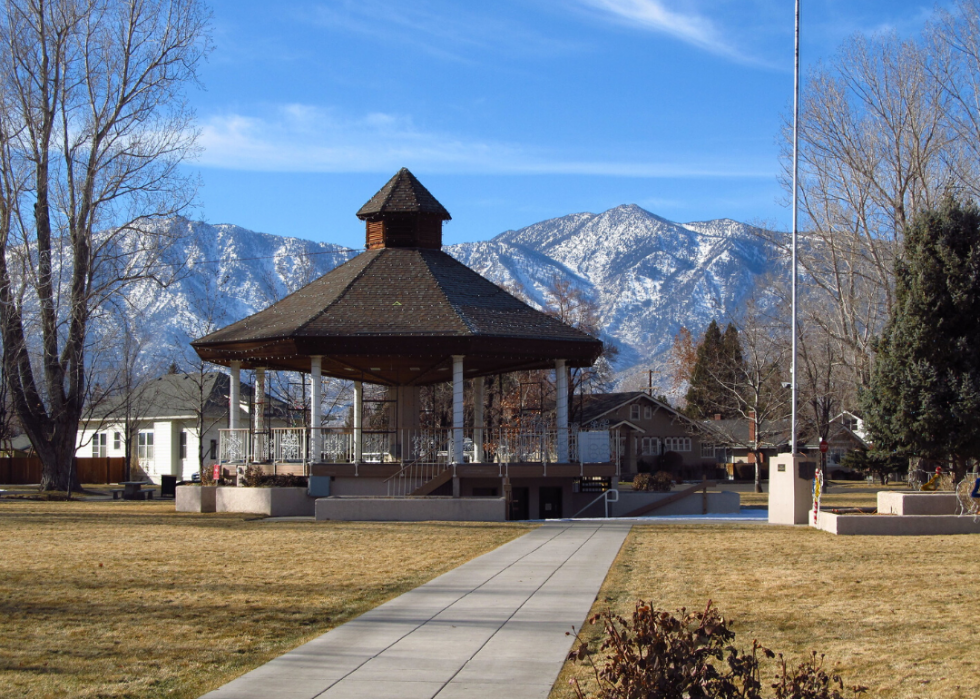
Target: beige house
[{"x": 646, "y": 429}]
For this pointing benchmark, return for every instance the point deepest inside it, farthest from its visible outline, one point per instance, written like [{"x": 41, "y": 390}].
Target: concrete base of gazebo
[{"x": 411, "y": 509}]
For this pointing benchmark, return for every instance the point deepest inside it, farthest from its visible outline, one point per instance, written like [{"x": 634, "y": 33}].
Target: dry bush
[{"x": 655, "y": 655}]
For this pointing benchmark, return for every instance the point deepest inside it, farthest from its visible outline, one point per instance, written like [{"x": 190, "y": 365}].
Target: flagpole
[{"x": 796, "y": 168}]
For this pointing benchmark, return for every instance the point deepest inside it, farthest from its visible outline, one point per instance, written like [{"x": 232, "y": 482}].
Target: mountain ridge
[{"x": 648, "y": 275}]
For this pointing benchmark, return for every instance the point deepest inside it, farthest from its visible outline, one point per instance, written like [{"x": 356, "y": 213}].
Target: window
[
  {"x": 634, "y": 412},
  {"x": 649, "y": 446},
  {"x": 707, "y": 450},
  {"x": 145, "y": 446},
  {"x": 116, "y": 441},
  {"x": 677, "y": 444},
  {"x": 98, "y": 445},
  {"x": 213, "y": 453},
  {"x": 183, "y": 444},
  {"x": 647, "y": 412}
]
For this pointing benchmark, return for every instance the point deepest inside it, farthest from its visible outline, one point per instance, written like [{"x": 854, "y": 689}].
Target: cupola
[{"x": 403, "y": 214}]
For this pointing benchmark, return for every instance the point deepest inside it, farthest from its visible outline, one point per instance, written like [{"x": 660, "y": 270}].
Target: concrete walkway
[{"x": 492, "y": 627}]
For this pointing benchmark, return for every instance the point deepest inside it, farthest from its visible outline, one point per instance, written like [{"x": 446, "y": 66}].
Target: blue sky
[{"x": 510, "y": 112}]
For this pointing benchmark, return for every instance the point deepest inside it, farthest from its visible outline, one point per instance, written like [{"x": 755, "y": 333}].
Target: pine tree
[
  {"x": 715, "y": 378},
  {"x": 924, "y": 395}
]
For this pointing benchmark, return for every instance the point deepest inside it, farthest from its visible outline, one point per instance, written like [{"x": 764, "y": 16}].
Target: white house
[{"x": 174, "y": 415}]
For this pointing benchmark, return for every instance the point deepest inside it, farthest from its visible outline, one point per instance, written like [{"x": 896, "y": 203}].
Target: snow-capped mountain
[{"x": 649, "y": 276}]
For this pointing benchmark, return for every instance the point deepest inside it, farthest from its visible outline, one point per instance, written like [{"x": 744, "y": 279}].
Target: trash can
[{"x": 168, "y": 487}]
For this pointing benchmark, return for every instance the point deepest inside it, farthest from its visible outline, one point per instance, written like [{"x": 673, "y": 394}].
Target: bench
[{"x": 133, "y": 490}]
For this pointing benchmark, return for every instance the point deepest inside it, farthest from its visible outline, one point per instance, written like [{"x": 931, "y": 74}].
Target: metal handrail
[{"x": 604, "y": 494}]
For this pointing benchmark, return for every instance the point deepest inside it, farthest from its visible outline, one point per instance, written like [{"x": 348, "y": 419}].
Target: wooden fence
[{"x": 27, "y": 470}]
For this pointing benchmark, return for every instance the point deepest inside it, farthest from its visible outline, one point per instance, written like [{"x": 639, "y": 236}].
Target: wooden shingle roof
[
  {"x": 403, "y": 194},
  {"x": 395, "y": 316}
]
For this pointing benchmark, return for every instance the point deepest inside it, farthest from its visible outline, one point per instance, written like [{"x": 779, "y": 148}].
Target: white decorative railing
[
  {"x": 289, "y": 445},
  {"x": 233, "y": 446},
  {"x": 424, "y": 446}
]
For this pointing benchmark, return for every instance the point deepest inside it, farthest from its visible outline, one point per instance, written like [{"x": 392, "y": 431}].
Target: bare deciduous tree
[{"x": 92, "y": 129}]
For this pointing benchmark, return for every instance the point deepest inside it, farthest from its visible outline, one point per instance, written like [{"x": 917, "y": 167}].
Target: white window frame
[
  {"x": 144, "y": 446},
  {"x": 99, "y": 445},
  {"x": 116, "y": 441},
  {"x": 183, "y": 444},
  {"x": 678, "y": 444},
  {"x": 634, "y": 412}
]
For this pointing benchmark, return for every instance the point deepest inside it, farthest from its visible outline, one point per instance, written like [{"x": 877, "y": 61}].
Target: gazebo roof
[
  {"x": 397, "y": 315},
  {"x": 403, "y": 194}
]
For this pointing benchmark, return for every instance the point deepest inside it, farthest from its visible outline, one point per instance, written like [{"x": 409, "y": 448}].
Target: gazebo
[{"x": 404, "y": 314}]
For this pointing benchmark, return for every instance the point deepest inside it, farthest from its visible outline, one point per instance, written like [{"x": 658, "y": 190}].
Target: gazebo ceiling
[{"x": 396, "y": 315}]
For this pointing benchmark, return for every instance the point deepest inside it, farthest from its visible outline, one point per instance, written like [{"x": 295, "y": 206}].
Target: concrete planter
[
  {"x": 272, "y": 502},
  {"x": 918, "y": 503},
  {"x": 411, "y": 509},
  {"x": 897, "y": 525},
  {"x": 196, "y": 498}
]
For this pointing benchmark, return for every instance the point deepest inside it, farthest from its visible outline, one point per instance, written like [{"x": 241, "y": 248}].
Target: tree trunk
[
  {"x": 57, "y": 455},
  {"x": 758, "y": 472}
]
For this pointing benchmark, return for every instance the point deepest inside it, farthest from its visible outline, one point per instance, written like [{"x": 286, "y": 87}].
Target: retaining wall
[
  {"x": 413, "y": 509},
  {"x": 724, "y": 502}
]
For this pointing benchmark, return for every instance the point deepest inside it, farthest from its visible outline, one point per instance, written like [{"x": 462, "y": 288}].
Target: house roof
[
  {"x": 403, "y": 194},
  {"x": 179, "y": 395},
  {"x": 596, "y": 405},
  {"x": 735, "y": 432},
  {"x": 395, "y": 316}
]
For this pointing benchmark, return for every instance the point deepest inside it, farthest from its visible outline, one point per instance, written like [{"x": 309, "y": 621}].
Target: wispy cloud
[
  {"x": 656, "y": 15},
  {"x": 451, "y": 30},
  {"x": 304, "y": 138}
]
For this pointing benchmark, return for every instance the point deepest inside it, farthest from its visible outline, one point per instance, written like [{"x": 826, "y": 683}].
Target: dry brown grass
[
  {"x": 841, "y": 494},
  {"x": 896, "y": 614},
  {"x": 114, "y": 599}
]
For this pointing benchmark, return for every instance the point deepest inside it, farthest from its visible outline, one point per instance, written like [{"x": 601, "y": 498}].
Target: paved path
[{"x": 494, "y": 627}]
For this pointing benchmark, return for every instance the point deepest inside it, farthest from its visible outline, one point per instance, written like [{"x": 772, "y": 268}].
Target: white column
[
  {"x": 316, "y": 386},
  {"x": 561, "y": 409},
  {"x": 234, "y": 401},
  {"x": 478, "y": 419},
  {"x": 458, "y": 408},
  {"x": 260, "y": 399},
  {"x": 358, "y": 404}
]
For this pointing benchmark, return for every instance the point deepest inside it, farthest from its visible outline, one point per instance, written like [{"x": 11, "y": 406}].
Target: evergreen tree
[
  {"x": 924, "y": 395},
  {"x": 716, "y": 375},
  {"x": 702, "y": 391}
]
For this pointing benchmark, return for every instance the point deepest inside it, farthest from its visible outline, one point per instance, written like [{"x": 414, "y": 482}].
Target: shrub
[
  {"x": 253, "y": 476},
  {"x": 287, "y": 480},
  {"x": 661, "y": 482},
  {"x": 671, "y": 461},
  {"x": 655, "y": 655}
]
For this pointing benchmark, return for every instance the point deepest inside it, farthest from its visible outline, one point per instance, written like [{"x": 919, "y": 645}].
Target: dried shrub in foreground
[
  {"x": 659, "y": 482},
  {"x": 655, "y": 655}
]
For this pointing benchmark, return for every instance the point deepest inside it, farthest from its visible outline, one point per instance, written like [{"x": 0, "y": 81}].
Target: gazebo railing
[
  {"x": 304, "y": 445},
  {"x": 234, "y": 446},
  {"x": 289, "y": 445}
]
